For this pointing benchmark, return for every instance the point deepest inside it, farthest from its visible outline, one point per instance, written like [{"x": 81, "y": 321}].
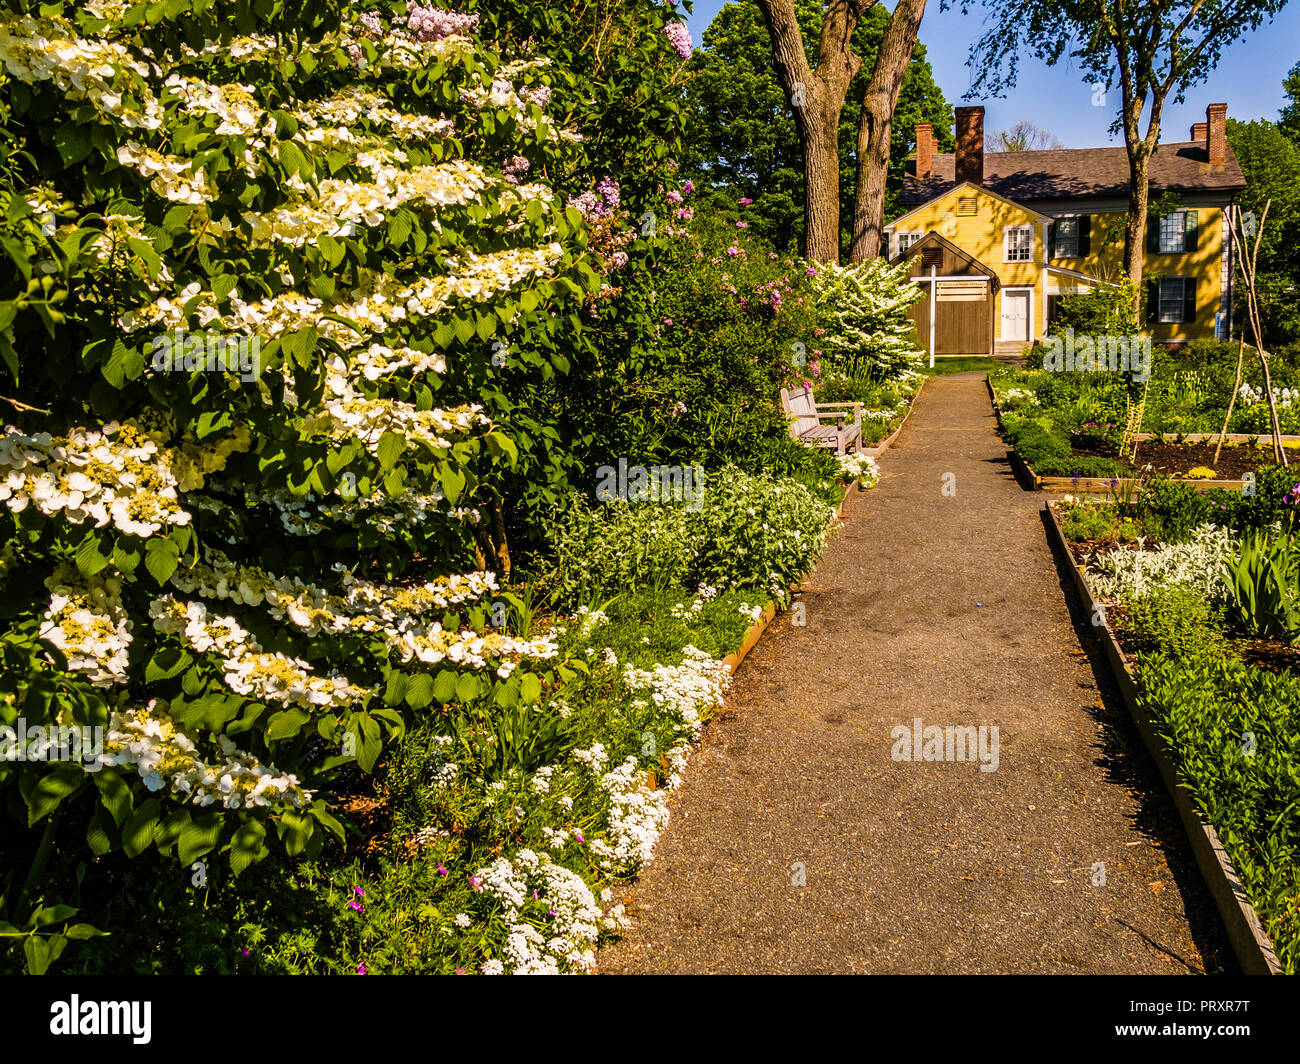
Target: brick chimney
[
  {"x": 924, "y": 150},
  {"x": 970, "y": 145},
  {"x": 1216, "y": 134},
  {"x": 1198, "y": 132}
]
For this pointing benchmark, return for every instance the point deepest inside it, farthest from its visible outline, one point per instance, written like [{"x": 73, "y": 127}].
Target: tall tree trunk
[
  {"x": 1135, "y": 226},
  {"x": 817, "y": 97},
  {"x": 821, "y": 201},
  {"x": 875, "y": 127}
]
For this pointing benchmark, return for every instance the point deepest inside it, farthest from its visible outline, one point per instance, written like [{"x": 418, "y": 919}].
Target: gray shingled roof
[{"x": 1067, "y": 172}]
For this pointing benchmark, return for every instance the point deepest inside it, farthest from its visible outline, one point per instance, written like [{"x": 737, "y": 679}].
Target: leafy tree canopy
[{"x": 742, "y": 132}]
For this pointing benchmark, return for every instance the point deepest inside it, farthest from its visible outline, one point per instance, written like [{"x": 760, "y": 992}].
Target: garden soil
[{"x": 799, "y": 845}]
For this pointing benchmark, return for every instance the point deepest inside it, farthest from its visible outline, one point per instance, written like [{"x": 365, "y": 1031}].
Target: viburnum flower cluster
[
  {"x": 86, "y": 621},
  {"x": 111, "y": 476},
  {"x": 248, "y": 669},
  {"x": 148, "y": 740}
]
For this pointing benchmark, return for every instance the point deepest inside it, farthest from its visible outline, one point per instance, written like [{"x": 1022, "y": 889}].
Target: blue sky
[{"x": 1248, "y": 78}]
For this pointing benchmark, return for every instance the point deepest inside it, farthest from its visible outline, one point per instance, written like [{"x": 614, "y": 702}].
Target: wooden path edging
[
  {"x": 768, "y": 615},
  {"x": 1246, "y": 932},
  {"x": 880, "y": 448}
]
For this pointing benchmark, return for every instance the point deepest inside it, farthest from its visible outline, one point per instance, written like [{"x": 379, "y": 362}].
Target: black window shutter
[
  {"x": 1153, "y": 302},
  {"x": 1051, "y": 240},
  {"x": 1189, "y": 299},
  {"x": 1085, "y": 235},
  {"x": 1190, "y": 231},
  {"x": 1153, "y": 234}
]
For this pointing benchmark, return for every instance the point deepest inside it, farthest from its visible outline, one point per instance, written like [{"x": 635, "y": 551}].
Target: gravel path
[{"x": 950, "y": 608}]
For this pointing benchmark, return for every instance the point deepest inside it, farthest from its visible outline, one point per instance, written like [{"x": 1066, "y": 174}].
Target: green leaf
[
  {"x": 391, "y": 446},
  {"x": 53, "y": 914},
  {"x": 286, "y": 724},
  {"x": 51, "y": 789},
  {"x": 101, "y": 833},
  {"x": 168, "y": 662},
  {"x": 419, "y": 691},
  {"x": 247, "y": 846},
  {"x": 198, "y": 837},
  {"x": 444, "y": 686},
  {"x": 89, "y": 558},
  {"x": 530, "y": 687},
  {"x": 452, "y": 480},
  {"x": 223, "y": 284},
  {"x": 467, "y": 687},
  {"x": 161, "y": 558},
  {"x": 37, "y": 951},
  {"x": 395, "y": 690},
  {"x": 138, "y": 831},
  {"x": 114, "y": 795},
  {"x": 294, "y": 830},
  {"x": 83, "y": 931}
]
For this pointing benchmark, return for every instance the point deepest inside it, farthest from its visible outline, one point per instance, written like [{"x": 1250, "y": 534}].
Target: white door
[{"x": 1015, "y": 313}]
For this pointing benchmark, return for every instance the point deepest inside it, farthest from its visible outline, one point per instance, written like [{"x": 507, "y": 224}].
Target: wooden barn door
[{"x": 962, "y": 317}]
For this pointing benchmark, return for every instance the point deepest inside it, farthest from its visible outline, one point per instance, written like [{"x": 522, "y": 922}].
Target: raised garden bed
[{"x": 1250, "y": 941}]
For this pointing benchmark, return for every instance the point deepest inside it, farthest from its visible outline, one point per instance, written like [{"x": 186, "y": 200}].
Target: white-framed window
[
  {"x": 1173, "y": 299},
  {"x": 1173, "y": 228},
  {"x": 1018, "y": 243},
  {"x": 906, "y": 238},
  {"x": 1065, "y": 233}
]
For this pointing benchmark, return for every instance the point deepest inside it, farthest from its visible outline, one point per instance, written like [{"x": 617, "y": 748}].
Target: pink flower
[
  {"x": 618, "y": 260},
  {"x": 678, "y": 36},
  {"x": 361, "y": 968},
  {"x": 742, "y": 225},
  {"x": 540, "y": 95},
  {"x": 688, "y": 188},
  {"x": 673, "y": 196},
  {"x": 441, "y": 871},
  {"x": 810, "y": 272},
  {"x": 685, "y": 213},
  {"x": 733, "y": 251},
  {"x": 476, "y": 882},
  {"x": 771, "y": 254},
  {"x": 460, "y": 971},
  {"x": 667, "y": 321},
  {"x": 745, "y": 202},
  {"x": 578, "y": 834}
]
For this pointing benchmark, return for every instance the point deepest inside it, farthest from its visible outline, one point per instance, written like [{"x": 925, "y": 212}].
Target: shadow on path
[{"x": 950, "y": 608}]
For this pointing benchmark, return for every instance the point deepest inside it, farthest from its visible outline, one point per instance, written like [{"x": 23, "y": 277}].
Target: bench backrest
[{"x": 799, "y": 404}]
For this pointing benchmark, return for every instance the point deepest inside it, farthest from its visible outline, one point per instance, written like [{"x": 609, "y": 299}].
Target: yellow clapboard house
[{"x": 997, "y": 238}]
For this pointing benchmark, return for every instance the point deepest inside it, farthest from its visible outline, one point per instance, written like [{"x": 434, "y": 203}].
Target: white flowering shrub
[
  {"x": 871, "y": 335},
  {"x": 276, "y": 281}
]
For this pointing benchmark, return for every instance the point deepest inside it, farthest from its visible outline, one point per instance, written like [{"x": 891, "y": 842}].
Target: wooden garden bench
[{"x": 806, "y": 421}]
